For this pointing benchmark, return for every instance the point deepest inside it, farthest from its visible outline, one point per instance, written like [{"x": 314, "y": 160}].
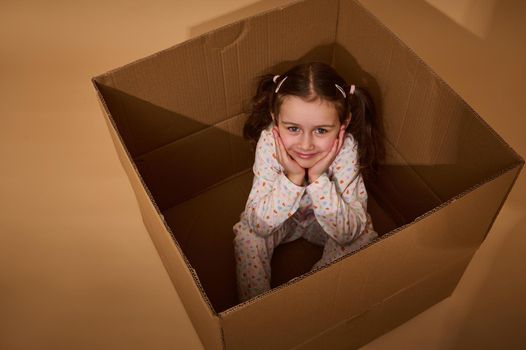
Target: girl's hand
[
  {"x": 323, "y": 164},
  {"x": 293, "y": 171}
]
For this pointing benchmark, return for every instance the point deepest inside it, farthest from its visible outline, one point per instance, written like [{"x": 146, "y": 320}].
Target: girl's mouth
[{"x": 305, "y": 155}]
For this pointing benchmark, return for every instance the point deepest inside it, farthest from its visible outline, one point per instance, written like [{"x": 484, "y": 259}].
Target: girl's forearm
[
  {"x": 342, "y": 219},
  {"x": 270, "y": 203}
]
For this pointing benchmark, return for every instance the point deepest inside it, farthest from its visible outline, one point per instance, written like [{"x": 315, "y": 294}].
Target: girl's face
[{"x": 308, "y": 129}]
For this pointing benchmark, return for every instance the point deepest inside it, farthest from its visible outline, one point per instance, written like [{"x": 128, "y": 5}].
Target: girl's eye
[
  {"x": 292, "y": 128},
  {"x": 321, "y": 130}
]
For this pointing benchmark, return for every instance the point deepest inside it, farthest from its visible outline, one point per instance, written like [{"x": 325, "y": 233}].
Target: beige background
[{"x": 77, "y": 268}]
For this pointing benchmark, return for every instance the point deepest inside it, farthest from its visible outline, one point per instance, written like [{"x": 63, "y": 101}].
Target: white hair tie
[
  {"x": 341, "y": 90},
  {"x": 279, "y": 84},
  {"x": 275, "y": 78}
]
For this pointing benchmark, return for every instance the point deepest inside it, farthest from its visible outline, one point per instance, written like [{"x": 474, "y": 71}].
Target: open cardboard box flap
[{"x": 176, "y": 120}]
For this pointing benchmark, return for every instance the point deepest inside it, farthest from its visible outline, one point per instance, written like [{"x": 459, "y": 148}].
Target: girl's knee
[{"x": 245, "y": 239}]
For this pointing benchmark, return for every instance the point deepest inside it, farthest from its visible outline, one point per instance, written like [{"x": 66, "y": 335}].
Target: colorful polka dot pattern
[{"x": 331, "y": 212}]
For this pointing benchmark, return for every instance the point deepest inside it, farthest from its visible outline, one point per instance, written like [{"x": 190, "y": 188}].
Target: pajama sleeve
[
  {"x": 340, "y": 201},
  {"x": 273, "y": 197}
]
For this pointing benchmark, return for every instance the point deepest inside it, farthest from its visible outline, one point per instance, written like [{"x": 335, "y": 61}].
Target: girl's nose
[{"x": 306, "y": 143}]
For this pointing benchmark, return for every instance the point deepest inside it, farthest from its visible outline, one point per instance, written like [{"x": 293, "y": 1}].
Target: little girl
[{"x": 316, "y": 136}]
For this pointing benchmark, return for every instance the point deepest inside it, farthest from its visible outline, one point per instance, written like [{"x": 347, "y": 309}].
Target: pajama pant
[{"x": 254, "y": 253}]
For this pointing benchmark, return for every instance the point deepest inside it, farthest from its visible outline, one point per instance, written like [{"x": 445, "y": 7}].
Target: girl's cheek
[
  {"x": 287, "y": 141},
  {"x": 326, "y": 145}
]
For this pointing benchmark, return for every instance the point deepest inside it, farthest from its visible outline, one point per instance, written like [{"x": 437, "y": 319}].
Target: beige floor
[{"x": 77, "y": 269}]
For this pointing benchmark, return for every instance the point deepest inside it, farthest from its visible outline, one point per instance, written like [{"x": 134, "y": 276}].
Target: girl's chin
[{"x": 305, "y": 163}]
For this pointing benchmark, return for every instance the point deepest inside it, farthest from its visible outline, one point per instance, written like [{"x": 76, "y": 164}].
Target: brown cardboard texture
[{"x": 176, "y": 119}]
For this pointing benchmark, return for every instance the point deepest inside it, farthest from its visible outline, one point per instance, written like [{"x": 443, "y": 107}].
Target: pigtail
[
  {"x": 259, "y": 117},
  {"x": 367, "y": 129}
]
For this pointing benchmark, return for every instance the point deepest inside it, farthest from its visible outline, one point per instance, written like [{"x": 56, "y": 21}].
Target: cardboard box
[{"x": 176, "y": 119}]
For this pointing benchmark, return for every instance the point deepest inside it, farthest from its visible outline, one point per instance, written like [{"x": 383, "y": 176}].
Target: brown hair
[{"x": 312, "y": 81}]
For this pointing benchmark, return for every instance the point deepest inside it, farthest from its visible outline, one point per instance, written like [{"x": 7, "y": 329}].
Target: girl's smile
[
  {"x": 307, "y": 129},
  {"x": 305, "y": 156}
]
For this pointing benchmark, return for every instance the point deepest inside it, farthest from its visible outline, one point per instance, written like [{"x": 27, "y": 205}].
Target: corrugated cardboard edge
[{"x": 201, "y": 327}]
